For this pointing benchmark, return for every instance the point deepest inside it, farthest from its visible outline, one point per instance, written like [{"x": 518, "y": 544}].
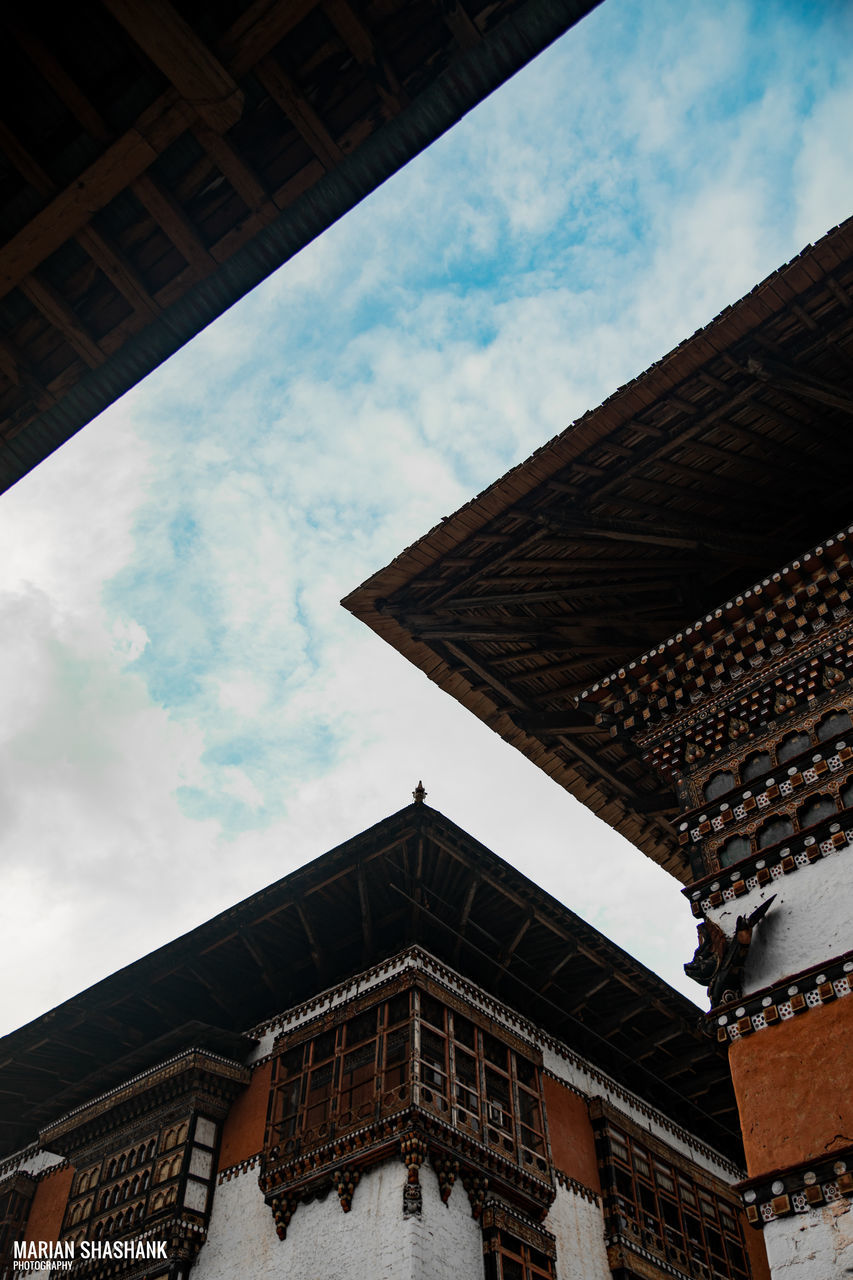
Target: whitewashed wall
[
  {"x": 579, "y": 1227},
  {"x": 373, "y": 1240},
  {"x": 808, "y": 923},
  {"x": 812, "y": 1246}
]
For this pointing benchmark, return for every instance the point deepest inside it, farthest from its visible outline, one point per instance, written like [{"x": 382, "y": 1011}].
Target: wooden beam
[
  {"x": 628, "y": 1009},
  {"x": 260, "y": 28},
  {"x": 283, "y": 90},
  {"x": 17, "y": 368},
  {"x": 258, "y": 957},
  {"x": 242, "y": 178},
  {"x": 655, "y": 802},
  {"x": 491, "y": 680},
  {"x": 801, "y": 383},
  {"x": 62, "y": 317},
  {"x": 728, "y": 485},
  {"x": 506, "y": 955},
  {"x": 172, "y": 45},
  {"x": 313, "y": 945},
  {"x": 725, "y": 406},
  {"x": 589, "y": 992},
  {"x": 567, "y": 721},
  {"x": 119, "y": 272},
  {"x": 597, "y": 529},
  {"x": 570, "y": 953},
  {"x": 213, "y": 992},
  {"x": 716, "y": 454},
  {"x": 29, "y": 168},
  {"x": 366, "y": 918},
  {"x": 364, "y": 48},
  {"x": 115, "y": 267},
  {"x": 71, "y": 209},
  {"x": 467, "y": 903},
  {"x": 55, "y": 75},
  {"x": 569, "y": 590},
  {"x": 650, "y": 1044},
  {"x": 464, "y": 31},
  {"x": 174, "y": 223}
]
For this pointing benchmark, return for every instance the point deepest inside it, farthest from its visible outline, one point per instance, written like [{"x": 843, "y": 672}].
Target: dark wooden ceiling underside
[
  {"x": 711, "y": 469},
  {"x": 415, "y": 878},
  {"x": 158, "y": 158}
]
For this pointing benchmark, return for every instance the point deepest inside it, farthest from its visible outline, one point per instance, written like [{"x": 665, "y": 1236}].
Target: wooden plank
[
  {"x": 243, "y": 179},
  {"x": 72, "y": 208},
  {"x": 50, "y": 68},
  {"x": 58, "y": 313},
  {"x": 283, "y": 90},
  {"x": 459, "y": 24},
  {"x": 259, "y": 29},
  {"x": 29, "y": 169},
  {"x": 193, "y": 68},
  {"x": 365, "y": 49},
  {"x": 174, "y": 223},
  {"x": 119, "y": 272}
]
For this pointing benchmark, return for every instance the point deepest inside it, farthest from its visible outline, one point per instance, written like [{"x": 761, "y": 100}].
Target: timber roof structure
[
  {"x": 413, "y": 879},
  {"x": 159, "y": 159},
  {"x": 708, "y": 471}
]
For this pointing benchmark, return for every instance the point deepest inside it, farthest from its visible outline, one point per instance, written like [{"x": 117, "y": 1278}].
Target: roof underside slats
[
  {"x": 159, "y": 160},
  {"x": 701, "y": 476}
]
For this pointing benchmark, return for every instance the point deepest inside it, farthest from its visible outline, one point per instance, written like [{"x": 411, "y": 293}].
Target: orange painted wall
[
  {"x": 570, "y": 1130},
  {"x": 48, "y": 1207},
  {"x": 243, "y": 1135},
  {"x": 792, "y": 1083}
]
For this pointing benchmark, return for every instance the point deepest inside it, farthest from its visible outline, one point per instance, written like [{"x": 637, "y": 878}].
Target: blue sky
[{"x": 189, "y": 713}]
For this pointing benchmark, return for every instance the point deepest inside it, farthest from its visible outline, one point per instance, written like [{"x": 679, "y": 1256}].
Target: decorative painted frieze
[
  {"x": 795, "y": 996},
  {"x": 811, "y": 1185}
]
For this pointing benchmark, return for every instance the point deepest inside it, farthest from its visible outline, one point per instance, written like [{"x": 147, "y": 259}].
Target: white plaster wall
[
  {"x": 812, "y": 1246},
  {"x": 808, "y": 923},
  {"x": 30, "y": 1160},
  {"x": 578, "y": 1225},
  {"x": 373, "y": 1240}
]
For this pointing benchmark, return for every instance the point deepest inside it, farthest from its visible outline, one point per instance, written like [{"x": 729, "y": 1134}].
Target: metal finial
[{"x": 419, "y": 793}]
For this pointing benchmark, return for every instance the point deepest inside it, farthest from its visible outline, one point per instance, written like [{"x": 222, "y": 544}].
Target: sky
[{"x": 188, "y": 713}]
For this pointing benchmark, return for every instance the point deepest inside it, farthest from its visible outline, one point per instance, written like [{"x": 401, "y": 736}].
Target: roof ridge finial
[{"x": 419, "y": 793}]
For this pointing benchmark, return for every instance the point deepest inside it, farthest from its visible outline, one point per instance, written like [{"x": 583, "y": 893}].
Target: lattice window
[
  {"x": 494, "y": 1090},
  {"x": 512, "y": 1259},
  {"x": 656, "y": 1205},
  {"x": 409, "y": 1050},
  {"x": 334, "y": 1081}
]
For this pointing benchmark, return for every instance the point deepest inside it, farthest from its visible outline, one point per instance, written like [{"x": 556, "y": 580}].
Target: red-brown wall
[
  {"x": 570, "y": 1130},
  {"x": 243, "y": 1134},
  {"x": 48, "y": 1207},
  {"x": 792, "y": 1083}
]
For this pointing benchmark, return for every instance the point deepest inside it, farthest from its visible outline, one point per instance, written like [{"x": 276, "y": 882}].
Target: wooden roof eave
[
  {"x": 455, "y": 538},
  {"x": 769, "y": 296}
]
